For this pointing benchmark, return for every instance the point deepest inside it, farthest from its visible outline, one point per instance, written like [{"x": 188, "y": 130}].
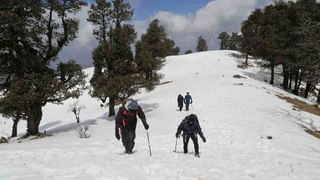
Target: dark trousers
[
  {"x": 194, "y": 138},
  {"x": 180, "y": 107},
  {"x": 128, "y": 137},
  {"x": 187, "y": 106}
]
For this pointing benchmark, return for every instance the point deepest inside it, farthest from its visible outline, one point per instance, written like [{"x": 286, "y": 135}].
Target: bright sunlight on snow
[{"x": 251, "y": 133}]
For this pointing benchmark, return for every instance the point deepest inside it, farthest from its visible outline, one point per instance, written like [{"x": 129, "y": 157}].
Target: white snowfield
[{"x": 236, "y": 120}]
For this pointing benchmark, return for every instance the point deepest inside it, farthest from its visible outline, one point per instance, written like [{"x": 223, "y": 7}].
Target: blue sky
[
  {"x": 146, "y": 8},
  {"x": 184, "y": 21}
]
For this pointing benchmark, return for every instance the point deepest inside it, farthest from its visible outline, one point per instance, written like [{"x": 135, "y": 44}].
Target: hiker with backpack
[
  {"x": 190, "y": 127},
  {"x": 187, "y": 101},
  {"x": 180, "y": 102},
  {"x": 126, "y": 122}
]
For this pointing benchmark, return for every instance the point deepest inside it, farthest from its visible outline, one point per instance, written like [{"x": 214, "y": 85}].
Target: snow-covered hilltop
[{"x": 251, "y": 133}]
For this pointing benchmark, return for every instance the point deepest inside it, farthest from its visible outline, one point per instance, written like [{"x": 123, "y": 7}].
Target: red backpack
[{"x": 125, "y": 117}]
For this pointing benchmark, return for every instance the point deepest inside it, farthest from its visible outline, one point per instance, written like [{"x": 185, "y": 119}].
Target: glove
[
  {"x": 177, "y": 135},
  {"x": 117, "y": 135},
  {"x": 204, "y": 139},
  {"x": 146, "y": 126}
]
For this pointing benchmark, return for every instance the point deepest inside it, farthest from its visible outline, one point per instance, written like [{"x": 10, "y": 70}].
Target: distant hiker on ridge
[
  {"x": 180, "y": 102},
  {"x": 190, "y": 127},
  {"x": 126, "y": 121},
  {"x": 187, "y": 101}
]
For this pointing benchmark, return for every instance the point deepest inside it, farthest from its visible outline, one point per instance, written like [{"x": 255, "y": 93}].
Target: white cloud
[
  {"x": 80, "y": 49},
  {"x": 85, "y": 36},
  {"x": 134, "y": 3},
  {"x": 209, "y": 21}
]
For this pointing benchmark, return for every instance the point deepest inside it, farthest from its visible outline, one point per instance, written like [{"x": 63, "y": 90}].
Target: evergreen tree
[
  {"x": 202, "y": 44},
  {"x": 224, "y": 37},
  {"x": 249, "y": 29},
  {"x": 151, "y": 50},
  {"x": 234, "y": 42},
  {"x": 33, "y": 33},
  {"x": 115, "y": 75},
  {"x": 269, "y": 33}
]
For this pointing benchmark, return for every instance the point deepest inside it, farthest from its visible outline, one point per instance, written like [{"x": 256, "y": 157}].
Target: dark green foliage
[
  {"x": 115, "y": 74},
  {"x": 31, "y": 37},
  {"x": 229, "y": 42},
  {"x": 151, "y": 50},
  {"x": 202, "y": 44},
  {"x": 224, "y": 37},
  {"x": 287, "y": 34}
]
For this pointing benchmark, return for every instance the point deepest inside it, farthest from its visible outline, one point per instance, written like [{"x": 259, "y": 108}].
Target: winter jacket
[
  {"x": 128, "y": 119},
  {"x": 190, "y": 125},
  {"x": 187, "y": 99},
  {"x": 180, "y": 100}
]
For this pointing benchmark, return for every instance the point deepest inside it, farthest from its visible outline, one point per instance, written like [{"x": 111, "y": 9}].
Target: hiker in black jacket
[
  {"x": 190, "y": 127},
  {"x": 180, "y": 102},
  {"x": 126, "y": 122}
]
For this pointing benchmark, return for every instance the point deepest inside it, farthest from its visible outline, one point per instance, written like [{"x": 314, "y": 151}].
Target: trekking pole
[
  {"x": 149, "y": 143},
  {"x": 175, "y": 147}
]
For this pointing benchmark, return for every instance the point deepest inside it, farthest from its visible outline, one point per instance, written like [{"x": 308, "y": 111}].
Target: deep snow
[{"x": 236, "y": 120}]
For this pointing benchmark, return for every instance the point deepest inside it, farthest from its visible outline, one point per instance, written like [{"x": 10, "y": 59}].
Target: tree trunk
[
  {"x": 34, "y": 118},
  {"x": 290, "y": 80},
  {"x": 318, "y": 98},
  {"x": 272, "y": 71},
  {"x": 307, "y": 90},
  {"x": 296, "y": 83},
  {"x": 111, "y": 106},
  {"x": 247, "y": 57},
  {"x": 285, "y": 77},
  {"x": 299, "y": 84},
  {"x": 15, "y": 127}
]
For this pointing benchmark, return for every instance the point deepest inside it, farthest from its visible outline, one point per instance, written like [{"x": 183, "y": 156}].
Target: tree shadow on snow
[
  {"x": 263, "y": 75},
  {"x": 302, "y": 121},
  {"x": 49, "y": 125},
  {"x": 148, "y": 107},
  {"x": 70, "y": 126},
  {"x": 145, "y": 107}
]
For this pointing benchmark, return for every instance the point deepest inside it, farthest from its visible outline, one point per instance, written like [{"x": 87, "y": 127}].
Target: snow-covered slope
[{"x": 236, "y": 120}]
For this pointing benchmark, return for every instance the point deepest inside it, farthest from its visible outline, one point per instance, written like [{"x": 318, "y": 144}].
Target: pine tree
[
  {"x": 34, "y": 33},
  {"x": 202, "y": 44},
  {"x": 151, "y": 50},
  {"x": 115, "y": 75},
  {"x": 224, "y": 37},
  {"x": 269, "y": 33}
]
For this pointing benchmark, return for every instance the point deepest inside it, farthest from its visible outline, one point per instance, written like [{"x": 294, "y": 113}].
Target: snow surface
[{"x": 236, "y": 120}]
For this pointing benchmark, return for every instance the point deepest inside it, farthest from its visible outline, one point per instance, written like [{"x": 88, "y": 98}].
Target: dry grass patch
[
  {"x": 237, "y": 76},
  {"x": 244, "y": 66},
  {"x": 238, "y": 55},
  {"x": 314, "y": 133},
  {"x": 301, "y": 105}
]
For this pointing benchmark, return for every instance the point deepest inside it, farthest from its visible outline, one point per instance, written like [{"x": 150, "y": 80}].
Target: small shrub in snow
[
  {"x": 76, "y": 108},
  {"x": 84, "y": 132}
]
